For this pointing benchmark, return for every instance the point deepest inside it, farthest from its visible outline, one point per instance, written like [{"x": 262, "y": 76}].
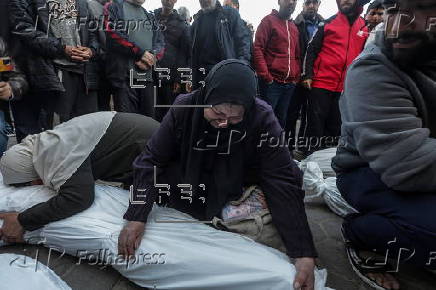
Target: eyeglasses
[{"x": 308, "y": 2}]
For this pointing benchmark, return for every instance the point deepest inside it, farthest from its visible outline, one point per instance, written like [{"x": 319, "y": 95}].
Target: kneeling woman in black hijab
[{"x": 212, "y": 140}]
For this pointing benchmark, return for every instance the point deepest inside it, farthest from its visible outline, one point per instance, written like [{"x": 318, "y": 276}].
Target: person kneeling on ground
[
  {"x": 386, "y": 161},
  {"x": 69, "y": 159},
  {"x": 211, "y": 142}
]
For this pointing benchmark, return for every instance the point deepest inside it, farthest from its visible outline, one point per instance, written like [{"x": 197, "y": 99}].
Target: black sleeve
[
  {"x": 76, "y": 195},
  {"x": 93, "y": 41},
  {"x": 313, "y": 49},
  {"x": 241, "y": 37},
  {"x": 23, "y": 27}
]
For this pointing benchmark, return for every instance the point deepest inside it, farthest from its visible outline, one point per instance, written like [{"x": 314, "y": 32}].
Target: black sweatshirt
[{"x": 110, "y": 160}]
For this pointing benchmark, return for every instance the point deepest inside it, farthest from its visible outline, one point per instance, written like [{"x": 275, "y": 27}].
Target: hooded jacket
[
  {"x": 177, "y": 43},
  {"x": 231, "y": 33},
  {"x": 332, "y": 49},
  {"x": 300, "y": 22},
  {"x": 388, "y": 121},
  {"x": 178, "y": 154},
  {"x": 277, "y": 52},
  {"x": 121, "y": 52},
  {"x": 40, "y": 47}
]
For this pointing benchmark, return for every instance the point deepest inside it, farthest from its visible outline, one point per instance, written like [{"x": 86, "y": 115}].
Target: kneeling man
[
  {"x": 69, "y": 159},
  {"x": 386, "y": 161}
]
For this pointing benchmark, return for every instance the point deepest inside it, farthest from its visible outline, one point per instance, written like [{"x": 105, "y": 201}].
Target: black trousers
[
  {"x": 28, "y": 116},
  {"x": 297, "y": 108},
  {"x": 135, "y": 100},
  {"x": 76, "y": 100},
  {"x": 323, "y": 118},
  {"x": 165, "y": 96},
  {"x": 402, "y": 223}
]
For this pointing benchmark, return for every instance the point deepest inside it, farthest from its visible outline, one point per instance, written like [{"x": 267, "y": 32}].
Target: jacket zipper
[
  {"x": 289, "y": 51},
  {"x": 346, "y": 54}
]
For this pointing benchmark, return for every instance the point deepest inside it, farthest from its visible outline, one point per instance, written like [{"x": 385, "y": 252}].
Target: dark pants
[
  {"x": 27, "y": 113},
  {"x": 385, "y": 215},
  {"x": 135, "y": 100},
  {"x": 104, "y": 95},
  {"x": 76, "y": 100},
  {"x": 297, "y": 108},
  {"x": 278, "y": 96},
  {"x": 323, "y": 126},
  {"x": 165, "y": 96}
]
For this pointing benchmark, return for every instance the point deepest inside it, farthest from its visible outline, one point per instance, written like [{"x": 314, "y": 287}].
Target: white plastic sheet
[
  {"x": 316, "y": 186},
  {"x": 19, "y": 272},
  {"x": 171, "y": 256},
  {"x": 324, "y": 160}
]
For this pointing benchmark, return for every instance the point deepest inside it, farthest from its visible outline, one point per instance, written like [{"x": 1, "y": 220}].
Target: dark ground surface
[{"x": 325, "y": 226}]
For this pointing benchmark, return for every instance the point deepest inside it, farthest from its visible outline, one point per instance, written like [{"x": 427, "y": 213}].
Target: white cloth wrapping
[
  {"x": 324, "y": 160},
  {"x": 315, "y": 186},
  {"x": 19, "y": 272},
  {"x": 56, "y": 154},
  {"x": 180, "y": 255}
]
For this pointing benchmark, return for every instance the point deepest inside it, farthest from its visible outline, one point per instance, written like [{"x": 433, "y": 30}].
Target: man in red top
[
  {"x": 277, "y": 58},
  {"x": 337, "y": 42}
]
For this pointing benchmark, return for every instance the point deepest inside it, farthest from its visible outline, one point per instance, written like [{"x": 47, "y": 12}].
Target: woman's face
[{"x": 223, "y": 115}]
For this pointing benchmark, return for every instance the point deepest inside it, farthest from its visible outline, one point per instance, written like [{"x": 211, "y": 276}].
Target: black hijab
[{"x": 219, "y": 167}]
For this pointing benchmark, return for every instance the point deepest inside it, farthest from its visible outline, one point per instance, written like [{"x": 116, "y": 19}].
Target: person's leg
[
  {"x": 26, "y": 114},
  {"x": 295, "y": 106},
  {"x": 395, "y": 223},
  {"x": 3, "y": 134},
  {"x": 165, "y": 96},
  {"x": 146, "y": 100},
  {"x": 126, "y": 100},
  {"x": 317, "y": 111},
  {"x": 104, "y": 95},
  {"x": 65, "y": 103},
  {"x": 273, "y": 95},
  {"x": 287, "y": 91},
  {"x": 333, "y": 122}
]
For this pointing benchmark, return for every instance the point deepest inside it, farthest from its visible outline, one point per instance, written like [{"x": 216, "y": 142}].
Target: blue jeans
[
  {"x": 385, "y": 215},
  {"x": 278, "y": 96},
  {"x": 3, "y": 133}
]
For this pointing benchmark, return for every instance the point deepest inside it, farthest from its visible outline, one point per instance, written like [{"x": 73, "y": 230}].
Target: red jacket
[
  {"x": 276, "y": 53},
  {"x": 332, "y": 49}
]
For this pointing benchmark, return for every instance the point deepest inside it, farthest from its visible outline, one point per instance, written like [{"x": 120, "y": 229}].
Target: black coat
[
  {"x": 40, "y": 47},
  {"x": 304, "y": 35},
  {"x": 177, "y": 43},
  {"x": 231, "y": 32}
]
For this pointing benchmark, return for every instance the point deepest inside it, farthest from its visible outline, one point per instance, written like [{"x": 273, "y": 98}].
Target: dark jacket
[
  {"x": 269, "y": 166},
  {"x": 231, "y": 32},
  {"x": 389, "y": 124},
  {"x": 122, "y": 52},
  {"x": 332, "y": 49},
  {"x": 304, "y": 35},
  {"x": 40, "y": 47},
  {"x": 177, "y": 43},
  {"x": 14, "y": 77},
  {"x": 277, "y": 50}
]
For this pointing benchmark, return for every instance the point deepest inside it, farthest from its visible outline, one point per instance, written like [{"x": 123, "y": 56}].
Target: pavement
[{"x": 325, "y": 227}]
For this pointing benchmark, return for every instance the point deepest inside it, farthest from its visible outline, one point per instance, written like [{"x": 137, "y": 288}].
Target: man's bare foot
[{"x": 384, "y": 280}]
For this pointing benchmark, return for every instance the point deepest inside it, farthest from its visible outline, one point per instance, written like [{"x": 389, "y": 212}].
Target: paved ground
[{"x": 326, "y": 230}]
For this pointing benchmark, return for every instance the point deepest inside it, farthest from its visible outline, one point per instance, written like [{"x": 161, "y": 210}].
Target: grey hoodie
[{"x": 389, "y": 121}]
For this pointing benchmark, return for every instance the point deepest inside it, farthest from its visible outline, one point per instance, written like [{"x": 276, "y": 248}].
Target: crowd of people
[{"x": 363, "y": 84}]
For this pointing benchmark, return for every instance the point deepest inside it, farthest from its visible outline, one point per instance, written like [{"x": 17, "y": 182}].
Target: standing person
[
  {"x": 104, "y": 90},
  {"x": 337, "y": 42},
  {"x": 177, "y": 50},
  {"x": 218, "y": 33},
  {"x": 180, "y": 152},
  {"x": 386, "y": 161},
  {"x": 185, "y": 14},
  {"x": 13, "y": 85},
  {"x": 277, "y": 58},
  {"x": 374, "y": 14},
  {"x": 134, "y": 43},
  {"x": 307, "y": 23},
  {"x": 58, "y": 58}
]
